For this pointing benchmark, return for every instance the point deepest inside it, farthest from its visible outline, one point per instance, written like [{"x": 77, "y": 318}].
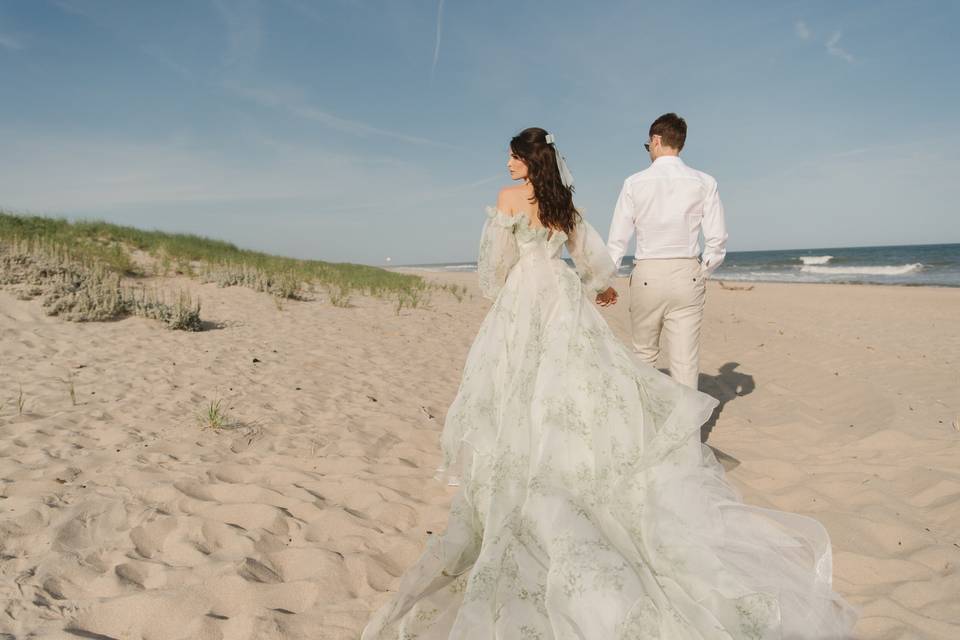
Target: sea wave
[
  {"x": 883, "y": 270},
  {"x": 811, "y": 260},
  {"x": 441, "y": 268},
  {"x": 761, "y": 276}
]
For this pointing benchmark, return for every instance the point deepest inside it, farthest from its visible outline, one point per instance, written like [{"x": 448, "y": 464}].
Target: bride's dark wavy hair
[{"x": 555, "y": 200}]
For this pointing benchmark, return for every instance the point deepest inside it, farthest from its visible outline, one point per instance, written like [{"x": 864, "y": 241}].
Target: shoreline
[{"x": 426, "y": 272}]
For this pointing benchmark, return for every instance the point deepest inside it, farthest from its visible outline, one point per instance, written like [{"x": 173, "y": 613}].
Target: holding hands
[{"x": 608, "y": 297}]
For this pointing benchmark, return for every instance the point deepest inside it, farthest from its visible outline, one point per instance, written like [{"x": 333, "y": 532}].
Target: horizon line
[{"x": 865, "y": 246}]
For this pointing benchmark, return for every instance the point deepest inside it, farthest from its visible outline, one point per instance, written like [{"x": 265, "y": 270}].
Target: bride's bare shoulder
[{"x": 514, "y": 199}]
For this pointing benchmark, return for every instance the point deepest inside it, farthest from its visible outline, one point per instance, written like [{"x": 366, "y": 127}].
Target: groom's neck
[{"x": 667, "y": 153}]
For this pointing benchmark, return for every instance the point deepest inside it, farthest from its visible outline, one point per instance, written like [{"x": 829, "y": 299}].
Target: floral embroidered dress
[{"x": 588, "y": 508}]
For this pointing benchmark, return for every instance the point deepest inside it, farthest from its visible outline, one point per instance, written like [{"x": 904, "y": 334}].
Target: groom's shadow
[{"x": 725, "y": 386}]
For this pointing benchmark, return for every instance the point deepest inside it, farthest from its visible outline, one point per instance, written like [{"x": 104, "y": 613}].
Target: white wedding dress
[{"x": 588, "y": 508}]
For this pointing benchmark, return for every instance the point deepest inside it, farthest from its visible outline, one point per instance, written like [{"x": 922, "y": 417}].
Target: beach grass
[
  {"x": 72, "y": 387},
  {"x": 88, "y": 271},
  {"x": 77, "y": 287},
  {"x": 110, "y": 246},
  {"x": 214, "y": 416}
]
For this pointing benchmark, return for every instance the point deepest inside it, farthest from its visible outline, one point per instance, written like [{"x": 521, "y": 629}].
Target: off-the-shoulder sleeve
[
  {"x": 591, "y": 257},
  {"x": 498, "y": 252}
]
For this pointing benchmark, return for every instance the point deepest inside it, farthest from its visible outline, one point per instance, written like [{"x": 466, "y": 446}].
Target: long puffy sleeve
[
  {"x": 498, "y": 252},
  {"x": 591, "y": 257}
]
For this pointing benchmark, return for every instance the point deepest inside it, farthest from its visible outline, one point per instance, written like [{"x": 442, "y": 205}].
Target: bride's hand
[{"x": 608, "y": 297}]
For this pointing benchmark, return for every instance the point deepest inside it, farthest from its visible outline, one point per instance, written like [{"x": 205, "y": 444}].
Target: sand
[{"x": 122, "y": 517}]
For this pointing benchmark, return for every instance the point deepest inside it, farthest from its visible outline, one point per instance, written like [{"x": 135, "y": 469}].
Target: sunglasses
[{"x": 646, "y": 145}]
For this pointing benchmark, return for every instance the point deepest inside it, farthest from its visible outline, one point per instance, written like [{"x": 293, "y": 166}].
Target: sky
[{"x": 353, "y": 130}]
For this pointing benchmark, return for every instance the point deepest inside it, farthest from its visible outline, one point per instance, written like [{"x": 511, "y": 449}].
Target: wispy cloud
[
  {"x": 834, "y": 49},
  {"x": 831, "y": 160},
  {"x": 9, "y": 42},
  {"x": 832, "y": 44},
  {"x": 185, "y": 184},
  {"x": 244, "y": 32},
  {"x": 70, "y": 7},
  {"x": 425, "y": 196},
  {"x": 295, "y": 105},
  {"x": 65, "y": 172},
  {"x": 436, "y": 45},
  {"x": 307, "y": 10},
  {"x": 165, "y": 59}
]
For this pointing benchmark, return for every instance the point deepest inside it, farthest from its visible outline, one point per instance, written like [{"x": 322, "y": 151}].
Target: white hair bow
[{"x": 565, "y": 176}]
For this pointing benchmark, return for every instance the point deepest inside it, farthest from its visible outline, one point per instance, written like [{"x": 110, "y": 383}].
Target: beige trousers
[{"x": 666, "y": 304}]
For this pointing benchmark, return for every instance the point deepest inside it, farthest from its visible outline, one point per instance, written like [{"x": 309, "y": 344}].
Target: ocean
[{"x": 912, "y": 265}]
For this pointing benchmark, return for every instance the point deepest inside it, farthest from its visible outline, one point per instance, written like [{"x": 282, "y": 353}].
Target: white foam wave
[
  {"x": 884, "y": 270},
  {"x": 815, "y": 259},
  {"x": 438, "y": 268}
]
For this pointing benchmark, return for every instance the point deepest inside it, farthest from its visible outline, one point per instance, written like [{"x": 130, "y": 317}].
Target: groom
[{"x": 667, "y": 206}]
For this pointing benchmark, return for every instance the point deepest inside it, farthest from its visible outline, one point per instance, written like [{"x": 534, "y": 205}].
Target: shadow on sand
[{"x": 725, "y": 386}]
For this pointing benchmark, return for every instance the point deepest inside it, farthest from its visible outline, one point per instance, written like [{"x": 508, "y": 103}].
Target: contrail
[{"x": 436, "y": 46}]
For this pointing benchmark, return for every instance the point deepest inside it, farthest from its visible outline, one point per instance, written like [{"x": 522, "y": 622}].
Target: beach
[{"x": 123, "y": 516}]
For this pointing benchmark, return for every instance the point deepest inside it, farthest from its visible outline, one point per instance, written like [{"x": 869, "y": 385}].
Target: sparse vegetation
[
  {"x": 78, "y": 289},
  {"x": 72, "y": 388},
  {"x": 457, "y": 291},
  {"x": 339, "y": 295},
  {"x": 183, "y": 314},
  {"x": 412, "y": 297},
  {"x": 20, "y": 400},
  {"x": 214, "y": 416},
  {"x": 102, "y": 242},
  {"x": 81, "y": 270},
  {"x": 282, "y": 285}
]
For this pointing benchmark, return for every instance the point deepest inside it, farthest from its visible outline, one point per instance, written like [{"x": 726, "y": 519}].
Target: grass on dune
[
  {"x": 102, "y": 252},
  {"x": 106, "y": 244},
  {"x": 214, "y": 416}
]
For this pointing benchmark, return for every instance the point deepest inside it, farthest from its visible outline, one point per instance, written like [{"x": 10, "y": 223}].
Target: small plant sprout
[
  {"x": 71, "y": 386},
  {"x": 214, "y": 416}
]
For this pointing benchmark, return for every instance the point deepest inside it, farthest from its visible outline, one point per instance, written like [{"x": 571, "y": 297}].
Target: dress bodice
[
  {"x": 533, "y": 240},
  {"x": 508, "y": 240}
]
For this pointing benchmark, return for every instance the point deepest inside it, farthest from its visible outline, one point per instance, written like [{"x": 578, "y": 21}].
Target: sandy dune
[{"x": 120, "y": 517}]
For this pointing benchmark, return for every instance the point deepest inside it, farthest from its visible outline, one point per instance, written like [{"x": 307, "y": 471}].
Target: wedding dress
[{"x": 588, "y": 508}]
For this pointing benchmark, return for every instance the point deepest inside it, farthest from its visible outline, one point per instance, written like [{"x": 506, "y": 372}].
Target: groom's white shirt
[{"x": 666, "y": 206}]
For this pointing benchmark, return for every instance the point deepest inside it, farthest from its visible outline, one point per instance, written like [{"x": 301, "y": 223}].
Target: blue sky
[{"x": 352, "y": 131}]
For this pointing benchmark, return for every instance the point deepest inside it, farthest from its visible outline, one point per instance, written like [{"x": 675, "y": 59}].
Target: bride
[{"x": 587, "y": 506}]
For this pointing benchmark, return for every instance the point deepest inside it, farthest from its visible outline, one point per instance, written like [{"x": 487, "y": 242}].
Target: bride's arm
[
  {"x": 498, "y": 252},
  {"x": 592, "y": 260}
]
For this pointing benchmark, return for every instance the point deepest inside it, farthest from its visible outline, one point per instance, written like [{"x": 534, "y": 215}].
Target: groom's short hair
[{"x": 672, "y": 130}]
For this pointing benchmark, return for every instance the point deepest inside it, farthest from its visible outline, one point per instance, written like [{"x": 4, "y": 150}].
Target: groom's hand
[{"x": 608, "y": 297}]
